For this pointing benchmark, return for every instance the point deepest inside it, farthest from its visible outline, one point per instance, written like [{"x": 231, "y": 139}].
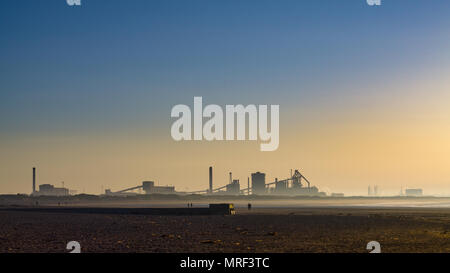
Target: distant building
[
  {"x": 47, "y": 189},
  {"x": 413, "y": 192},
  {"x": 281, "y": 187},
  {"x": 334, "y": 194},
  {"x": 258, "y": 183},
  {"x": 149, "y": 188},
  {"x": 163, "y": 189},
  {"x": 50, "y": 190},
  {"x": 373, "y": 191},
  {"x": 234, "y": 188}
]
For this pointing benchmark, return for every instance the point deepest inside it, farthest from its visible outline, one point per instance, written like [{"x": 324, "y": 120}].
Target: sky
[{"x": 86, "y": 92}]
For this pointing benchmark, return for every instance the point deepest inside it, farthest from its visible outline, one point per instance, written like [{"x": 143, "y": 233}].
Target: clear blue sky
[{"x": 113, "y": 61}]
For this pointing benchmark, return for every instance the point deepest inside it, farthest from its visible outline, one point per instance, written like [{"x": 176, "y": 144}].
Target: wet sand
[{"x": 320, "y": 229}]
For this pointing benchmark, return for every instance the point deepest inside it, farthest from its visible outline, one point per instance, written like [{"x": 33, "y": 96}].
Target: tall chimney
[
  {"x": 210, "y": 180},
  {"x": 34, "y": 180}
]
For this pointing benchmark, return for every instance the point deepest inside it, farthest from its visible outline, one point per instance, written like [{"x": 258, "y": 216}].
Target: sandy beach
[{"x": 302, "y": 230}]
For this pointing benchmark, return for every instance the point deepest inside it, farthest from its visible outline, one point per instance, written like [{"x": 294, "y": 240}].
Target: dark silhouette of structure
[
  {"x": 293, "y": 186},
  {"x": 213, "y": 209},
  {"x": 47, "y": 189},
  {"x": 148, "y": 187},
  {"x": 34, "y": 181},
  {"x": 210, "y": 180},
  {"x": 413, "y": 192},
  {"x": 289, "y": 186},
  {"x": 50, "y": 190},
  {"x": 258, "y": 183},
  {"x": 234, "y": 187}
]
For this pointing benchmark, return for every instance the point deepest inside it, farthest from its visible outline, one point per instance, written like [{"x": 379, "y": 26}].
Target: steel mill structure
[{"x": 295, "y": 185}]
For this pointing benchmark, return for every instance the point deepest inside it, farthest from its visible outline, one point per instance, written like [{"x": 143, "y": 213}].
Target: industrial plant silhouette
[{"x": 295, "y": 185}]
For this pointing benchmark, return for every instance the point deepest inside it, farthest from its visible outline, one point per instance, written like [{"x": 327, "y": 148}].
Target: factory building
[
  {"x": 281, "y": 187},
  {"x": 373, "y": 191},
  {"x": 233, "y": 188},
  {"x": 258, "y": 183},
  {"x": 149, "y": 188},
  {"x": 50, "y": 190},
  {"x": 290, "y": 186},
  {"x": 47, "y": 189},
  {"x": 413, "y": 192}
]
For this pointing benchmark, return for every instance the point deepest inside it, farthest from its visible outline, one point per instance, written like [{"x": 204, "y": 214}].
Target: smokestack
[
  {"x": 34, "y": 180},
  {"x": 210, "y": 180},
  {"x": 231, "y": 178}
]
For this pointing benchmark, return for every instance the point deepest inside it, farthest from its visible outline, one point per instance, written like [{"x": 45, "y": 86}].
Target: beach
[{"x": 260, "y": 230}]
